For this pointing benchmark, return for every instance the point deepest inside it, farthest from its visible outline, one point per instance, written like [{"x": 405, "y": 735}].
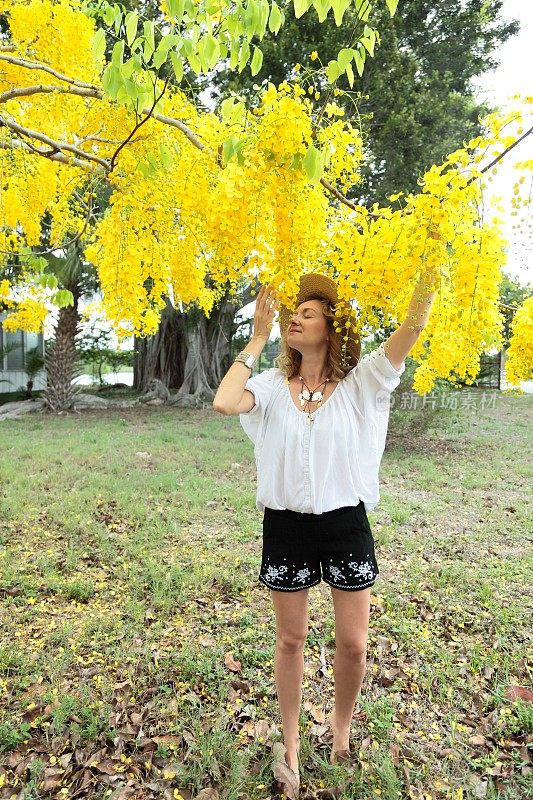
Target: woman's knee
[
  {"x": 355, "y": 649},
  {"x": 291, "y": 642}
]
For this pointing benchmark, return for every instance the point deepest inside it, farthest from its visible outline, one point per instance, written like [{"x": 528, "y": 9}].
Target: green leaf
[
  {"x": 264, "y": 11},
  {"x": 146, "y": 167},
  {"x": 349, "y": 75},
  {"x": 47, "y": 281},
  {"x": 257, "y": 61},
  {"x": 368, "y": 40},
  {"x": 392, "y": 5},
  {"x": 234, "y": 56},
  {"x": 275, "y": 19},
  {"x": 359, "y": 58},
  {"x": 166, "y": 156},
  {"x": 109, "y": 15},
  {"x": 132, "y": 18},
  {"x": 152, "y": 160},
  {"x": 63, "y": 298},
  {"x": 211, "y": 50},
  {"x": 300, "y": 7},
  {"x": 322, "y": 8},
  {"x": 176, "y": 8},
  {"x": 339, "y": 8},
  {"x": 332, "y": 71},
  {"x": 159, "y": 58},
  {"x": 166, "y": 44},
  {"x": 244, "y": 55},
  {"x": 195, "y": 63},
  {"x": 229, "y": 148},
  {"x": 296, "y": 162},
  {"x": 177, "y": 66},
  {"x": 251, "y": 18},
  {"x": 149, "y": 39},
  {"x": 363, "y": 9},
  {"x": 118, "y": 18},
  {"x": 232, "y": 111},
  {"x": 313, "y": 164},
  {"x": 99, "y": 44},
  {"x": 128, "y": 67},
  {"x": 107, "y": 78},
  {"x": 118, "y": 54},
  {"x": 131, "y": 88},
  {"x": 344, "y": 57}
]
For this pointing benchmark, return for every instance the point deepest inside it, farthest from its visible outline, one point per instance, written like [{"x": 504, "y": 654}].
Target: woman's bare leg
[
  {"x": 352, "y": 610},
  {"x": 291, "y": 633}
]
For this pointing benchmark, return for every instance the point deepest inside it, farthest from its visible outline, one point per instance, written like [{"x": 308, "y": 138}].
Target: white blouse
[{"x": 333, "y": 461}]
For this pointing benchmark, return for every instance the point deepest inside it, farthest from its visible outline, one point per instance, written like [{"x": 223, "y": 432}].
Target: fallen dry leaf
[
  {"x": 283, "y": 774},
  {"x": 513, "y": 692},
  {"x": 231, "y": 663},
  {"x": 207, "y": 794},
  {"x": 477, "y": 741}
]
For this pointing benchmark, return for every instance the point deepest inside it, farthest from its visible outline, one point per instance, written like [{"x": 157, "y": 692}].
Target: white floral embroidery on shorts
[
  {"x": 301, "y": 575},
  {"x": 276, "y": 573},
  {"x": 364, "y": 570},
  {"x": 336, "y": 574}
]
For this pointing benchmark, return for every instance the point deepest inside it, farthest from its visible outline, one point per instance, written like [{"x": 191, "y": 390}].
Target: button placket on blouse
[{"x": 306, "y": 470}]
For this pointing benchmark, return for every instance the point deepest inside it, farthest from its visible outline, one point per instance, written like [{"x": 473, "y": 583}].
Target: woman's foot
[
  {"x": 286, "y": 769},
  {"x": 340, "y": 749},
  {"x": 291, "y": 757}
]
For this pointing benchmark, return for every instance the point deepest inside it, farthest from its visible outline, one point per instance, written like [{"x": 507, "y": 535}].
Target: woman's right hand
[{"x": 266, "y": 306}]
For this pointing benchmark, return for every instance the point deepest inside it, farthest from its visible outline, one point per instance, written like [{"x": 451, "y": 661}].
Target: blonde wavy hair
[{"x": 289, "y": 360}]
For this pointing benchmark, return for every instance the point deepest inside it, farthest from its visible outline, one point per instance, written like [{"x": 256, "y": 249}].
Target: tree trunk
[
  {"x": 161, "y": 356},
  {"x": 60, "y": 359},
  {"x": 190, "y": 352}
]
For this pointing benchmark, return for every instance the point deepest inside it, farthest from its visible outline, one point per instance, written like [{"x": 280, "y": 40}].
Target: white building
[{"x": 17, "y": 344}]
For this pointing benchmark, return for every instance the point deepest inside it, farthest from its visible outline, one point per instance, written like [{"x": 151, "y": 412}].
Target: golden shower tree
[{"x": 200, "y": 201}]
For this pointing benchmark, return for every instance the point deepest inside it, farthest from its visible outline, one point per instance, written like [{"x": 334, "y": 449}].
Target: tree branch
[
  {"x": 57, "y": 147},
  {"x": 137, "y": 126},
  {"x": 53, "y": 156},
  {"x": 27, "y": 91},
  {"x": 176, "y": 123},
  {"x": 507, "y": 150},
  {"x": 23, "y": 62},
  {"x": 82, "y": 89}
]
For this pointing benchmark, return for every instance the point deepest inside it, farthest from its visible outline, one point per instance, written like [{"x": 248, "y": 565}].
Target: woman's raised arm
[
  {"x": 403, "y": 339},
  {"x": 232, "y": 397}
]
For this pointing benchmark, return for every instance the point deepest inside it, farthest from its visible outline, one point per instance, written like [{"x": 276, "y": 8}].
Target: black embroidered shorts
[{"x": 301, "y": 549}]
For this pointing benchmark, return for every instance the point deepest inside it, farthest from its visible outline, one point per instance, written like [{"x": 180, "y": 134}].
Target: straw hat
[{"x": 314, "y": 284}]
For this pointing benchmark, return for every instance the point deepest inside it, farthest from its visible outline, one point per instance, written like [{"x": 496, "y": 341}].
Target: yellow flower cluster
[
  {"x": 5, "y": 294},
  {"x": 519, "y": 364},
  {"x": 29, "y": 315},
  {"x": 187, "y": 223}
]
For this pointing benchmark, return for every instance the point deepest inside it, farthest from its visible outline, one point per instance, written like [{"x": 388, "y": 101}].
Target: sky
[{"x": 514, "y": 75}]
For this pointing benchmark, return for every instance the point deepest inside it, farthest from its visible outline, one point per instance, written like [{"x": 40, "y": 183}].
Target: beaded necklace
[{"x": 306, "y": 396}]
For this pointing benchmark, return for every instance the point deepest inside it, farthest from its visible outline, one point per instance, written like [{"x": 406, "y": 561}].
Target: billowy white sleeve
[
  {"x": 261, "y": 386},
  {"x": 376, "y": 371}
]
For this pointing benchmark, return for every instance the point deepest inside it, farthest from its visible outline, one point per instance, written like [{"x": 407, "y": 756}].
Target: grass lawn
[{"x": 136, "y": 649}]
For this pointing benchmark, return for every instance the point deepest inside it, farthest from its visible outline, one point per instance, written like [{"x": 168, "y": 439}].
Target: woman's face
[{"x": 308, "y": 327}]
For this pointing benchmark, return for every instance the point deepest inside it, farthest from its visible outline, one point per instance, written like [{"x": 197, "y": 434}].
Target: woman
[{"x": 319, "y": 425}]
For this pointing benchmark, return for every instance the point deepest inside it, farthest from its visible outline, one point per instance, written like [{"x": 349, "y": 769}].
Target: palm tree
[{"x": 79, "y": 277}]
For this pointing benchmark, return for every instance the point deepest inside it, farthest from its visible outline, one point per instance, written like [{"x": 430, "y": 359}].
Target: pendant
[{"x": 307, "y": 396}]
